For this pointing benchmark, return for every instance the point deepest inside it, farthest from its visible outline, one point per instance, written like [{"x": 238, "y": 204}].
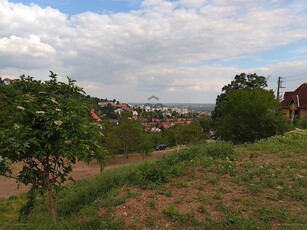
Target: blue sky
[
  {"x": 179, "y": 50},
  {"x": 72, "y": 7}
]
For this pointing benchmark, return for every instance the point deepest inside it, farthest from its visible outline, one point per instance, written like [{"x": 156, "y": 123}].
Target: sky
[{"x": 181, "y": 51}]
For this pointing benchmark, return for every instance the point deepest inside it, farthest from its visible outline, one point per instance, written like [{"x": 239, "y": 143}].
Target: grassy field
[{"x": 206, "y": 186}]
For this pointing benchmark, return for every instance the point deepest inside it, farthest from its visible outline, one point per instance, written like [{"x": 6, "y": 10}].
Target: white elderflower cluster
[
  {"x": 20, "y": 107},
  {"x": 58, "y": 122},
  {"x": 54, "y": 101}
]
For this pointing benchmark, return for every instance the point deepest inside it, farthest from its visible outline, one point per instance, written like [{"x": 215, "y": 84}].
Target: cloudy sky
[{"x": 179, "y": 50}]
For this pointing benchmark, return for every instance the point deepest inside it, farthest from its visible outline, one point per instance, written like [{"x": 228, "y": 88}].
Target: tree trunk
[
  {"x": 126, "y": 152},
  {"x": 52, "y": 209},
  {"x": 51, "y": 204},
  {"x": 101, "y": 164}
]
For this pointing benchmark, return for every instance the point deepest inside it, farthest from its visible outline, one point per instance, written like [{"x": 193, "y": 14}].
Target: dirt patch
[
  {"x": 81, "y": 170},
  {"x": 205, "y": 196}
]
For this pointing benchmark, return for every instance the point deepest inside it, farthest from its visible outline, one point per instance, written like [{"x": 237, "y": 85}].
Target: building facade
[{"x": 294, "y": 104}]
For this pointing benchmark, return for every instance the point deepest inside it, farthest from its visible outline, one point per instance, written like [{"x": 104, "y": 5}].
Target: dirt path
[{"x": 81, "y": 170}]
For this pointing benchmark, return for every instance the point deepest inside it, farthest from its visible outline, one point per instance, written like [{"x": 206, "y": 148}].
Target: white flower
[
  {"x": 16, "y": 126},
  {"x": 40, "y": 112},
  {"x": 59, "y": 110},
  {"x": 58, "y": 122},
  {"x": 54, "y": 101},
  {"x": 20, "y": 107}
]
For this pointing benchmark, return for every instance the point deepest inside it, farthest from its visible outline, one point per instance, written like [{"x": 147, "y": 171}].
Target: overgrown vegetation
[
  {"x": 218, "y": 185},
  {"x": 302, "y": 123}
]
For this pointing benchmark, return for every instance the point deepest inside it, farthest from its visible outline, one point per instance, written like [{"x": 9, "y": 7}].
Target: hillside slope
[{"x": 211, "y": 186}]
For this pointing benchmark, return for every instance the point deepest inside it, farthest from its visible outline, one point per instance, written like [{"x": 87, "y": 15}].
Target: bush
[
  {"x": 302, "y": 123},
  {"x": 220, "y": 150},
  {"x": 152, "y": 174},
  {"x": 294, "y": 141}
]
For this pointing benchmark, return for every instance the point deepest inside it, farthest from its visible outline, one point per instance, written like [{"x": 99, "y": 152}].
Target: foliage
[
  {"x": 242, "y": 81},
  {"x": 130, "y": 133},
  {"x": 302, "y": 123},
  {"x": 152, "y": 174},
  {"x": 173, "y": 214},
  {"x": 170, "y": 136},
  {"x": 146, "y": 145},
  {"x": 206, "y": 124},
  {"x": 293, "y": 141},
  {"x": 246, "y": 112},
  {"x": 190, "y": 133},
  {"x": 48, "y": 130},
  {"x": 26, "y": 209},
  {"x": 185, "y": 134},
  {"x": 109, "y": 111},
  {"x": 8, "y": 95},
  {"x": 220, "y": 150}
]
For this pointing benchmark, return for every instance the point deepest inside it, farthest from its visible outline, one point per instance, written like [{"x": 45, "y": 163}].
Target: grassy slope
[{"x": 215, "y": 186}]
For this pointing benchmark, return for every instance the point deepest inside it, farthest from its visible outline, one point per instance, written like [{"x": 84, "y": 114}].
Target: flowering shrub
[{"x": 49, "y": 130}]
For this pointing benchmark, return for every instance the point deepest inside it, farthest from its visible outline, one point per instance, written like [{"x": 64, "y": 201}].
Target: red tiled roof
[
  {"x": 94, "y": 115},
  {"x": 299, "y": 97}
]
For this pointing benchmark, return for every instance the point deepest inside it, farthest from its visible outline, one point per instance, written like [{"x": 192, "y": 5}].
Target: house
[
  {"x": 118, "y": 111},
  {"x": 294, "y": 104},
  {"x": 94, "y": 115},
  {"x": 7, "y": 81},
  {"x": 103, "y": 103}
]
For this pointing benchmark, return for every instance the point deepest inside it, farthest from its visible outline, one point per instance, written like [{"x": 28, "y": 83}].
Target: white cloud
[
  {"x": 25, "y": 53},
  {"x": 165, "y": 46},
  {"x": 31, "y": 45},
  {"x": 192, "y": 3}
]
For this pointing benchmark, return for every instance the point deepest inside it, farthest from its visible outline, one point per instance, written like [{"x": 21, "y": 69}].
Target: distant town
[{"x": 155, "y": 117}]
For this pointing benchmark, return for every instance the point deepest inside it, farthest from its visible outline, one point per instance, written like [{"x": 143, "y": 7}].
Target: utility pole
[{"x": 279, "y": 86}]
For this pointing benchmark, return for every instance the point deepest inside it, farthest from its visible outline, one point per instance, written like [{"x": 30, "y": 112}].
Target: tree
[
  {"x": 189, "y": 133},
  {"x": 8, "y": 95},
  {"x": 48, "y": 130},
  {"x": 171, "y": 136},
  {"x": 241, "y": 81},
  {"x": 246, "y": 112},
  {"x": 130, "y": 134},
  {"x": 146, "y": 145},
  {"x": 113, "y": 143},
  {"x": 206, "y": 124}
]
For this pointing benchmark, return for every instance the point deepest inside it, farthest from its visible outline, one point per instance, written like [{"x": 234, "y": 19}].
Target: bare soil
[
  {"x": 81, "y": 170},
  {"x": 192, "y": 200}
]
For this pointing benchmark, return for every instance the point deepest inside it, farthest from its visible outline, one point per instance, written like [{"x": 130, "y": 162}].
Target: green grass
[
  {"x": 267, "y": 181},
  {"x": 294, "y": 141}
]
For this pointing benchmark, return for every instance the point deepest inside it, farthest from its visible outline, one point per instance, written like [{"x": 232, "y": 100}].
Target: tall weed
[{"x": 294, "y": 141}]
